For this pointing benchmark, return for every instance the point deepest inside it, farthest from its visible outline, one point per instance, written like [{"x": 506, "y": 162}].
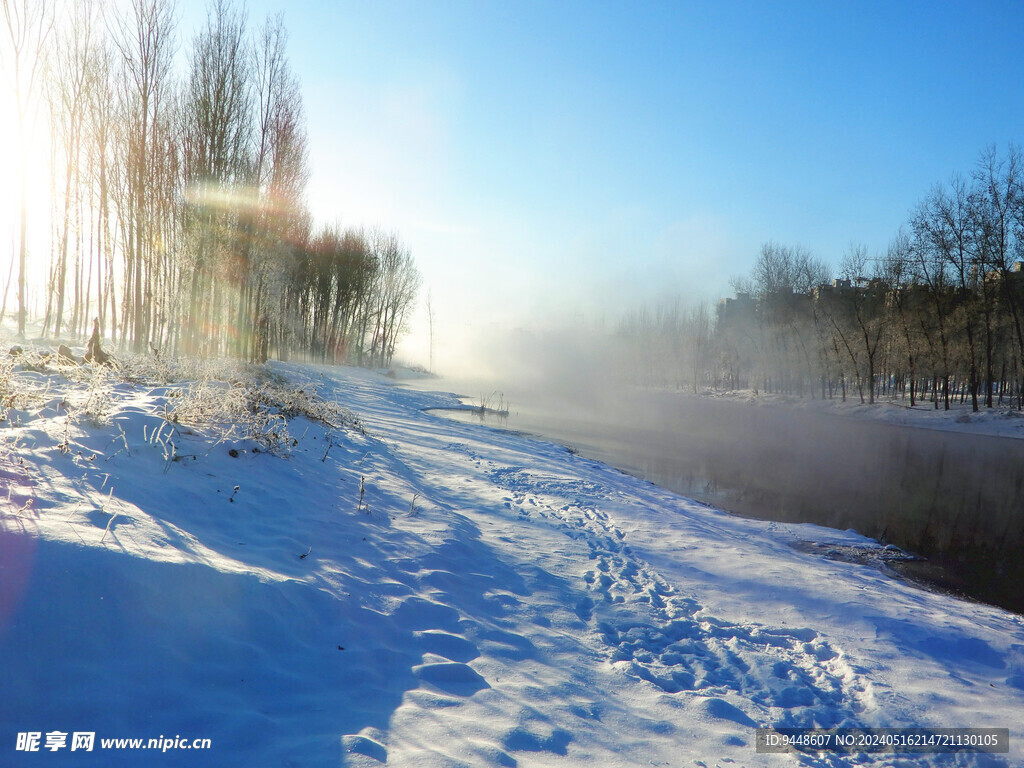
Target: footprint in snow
[{"x": 795, "y": 677}]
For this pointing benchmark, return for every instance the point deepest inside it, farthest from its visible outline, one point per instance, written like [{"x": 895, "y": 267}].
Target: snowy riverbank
[
  {"x": 1002, "y": 420},
  {"x": 403, "y": 589}
]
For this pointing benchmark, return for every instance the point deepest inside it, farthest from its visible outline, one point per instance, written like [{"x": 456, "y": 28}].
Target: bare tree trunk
[{"x": 29, "y": 23}]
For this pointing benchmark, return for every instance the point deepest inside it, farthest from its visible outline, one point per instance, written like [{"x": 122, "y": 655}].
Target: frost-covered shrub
[
  {"x": 256, "y": 405},
  {"x": 228, "y": 399},
  {"x": 98, "y": 402},
  {"x": 6, "y": 386},
  {"x": 24, "y": 381}
]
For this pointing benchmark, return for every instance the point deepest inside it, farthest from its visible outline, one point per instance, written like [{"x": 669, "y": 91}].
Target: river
[{"x": 955, "y": 499}]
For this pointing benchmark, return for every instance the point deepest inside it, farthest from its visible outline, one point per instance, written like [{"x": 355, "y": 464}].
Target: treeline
[
  {"x": 938, "y": 317},
  {"x": 178, "y": 214}
]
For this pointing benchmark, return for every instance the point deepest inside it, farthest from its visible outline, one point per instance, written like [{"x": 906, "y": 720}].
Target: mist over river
[{"x": 956, "y": 499}]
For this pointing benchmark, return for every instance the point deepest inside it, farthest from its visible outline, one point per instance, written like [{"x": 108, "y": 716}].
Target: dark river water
[{"x": 955, "y": 499}]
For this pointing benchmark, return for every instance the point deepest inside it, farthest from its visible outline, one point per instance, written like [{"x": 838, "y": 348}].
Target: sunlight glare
[{"x": 34, "y": 150}]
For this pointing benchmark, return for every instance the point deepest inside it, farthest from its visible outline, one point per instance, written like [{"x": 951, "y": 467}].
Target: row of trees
[
  {"x": 939, "y": 316},
  {"x": 178, "y": 216},
  {"x": 350, "y": 296}
]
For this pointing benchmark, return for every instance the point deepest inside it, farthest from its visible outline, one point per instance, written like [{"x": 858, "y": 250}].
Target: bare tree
[
  {"x": 67, "y": 89},
  {"x": 867, "y": 309},
  {"x": 782, "y": 280},
  {"x": 216, "y": 130},
  {"x": 945, "y": 227},
  {"x": 897, "y": 268},
  {"x": 144, "y": 39},
  {"x": 102, "y": 108},
  {"x": 29, "y": 24},
  {"x": 280, "y": 173},
  {"x": 395, "y": 290},
  {"x": 998, "y": 201},
  {"x": 430, "y": 329}
]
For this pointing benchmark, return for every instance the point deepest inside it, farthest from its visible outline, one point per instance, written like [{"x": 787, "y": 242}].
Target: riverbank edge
[{"x": 999, "y": 421}]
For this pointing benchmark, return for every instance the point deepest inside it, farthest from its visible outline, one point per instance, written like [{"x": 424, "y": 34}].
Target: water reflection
[{"x": 955, "y": 499}]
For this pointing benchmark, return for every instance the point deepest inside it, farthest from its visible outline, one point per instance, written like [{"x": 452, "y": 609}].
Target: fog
[
  {"x": 951, "y": 498},
  {"x": 577, "y": 366}
]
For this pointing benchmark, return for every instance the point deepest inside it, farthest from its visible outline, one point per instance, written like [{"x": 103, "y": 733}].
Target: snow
[
  {"x": 1002, "y": 420},
  {"x": 409, "y": 590}
]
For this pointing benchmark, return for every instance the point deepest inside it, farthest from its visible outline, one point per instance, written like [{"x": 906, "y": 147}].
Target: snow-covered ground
[
  {"x": 1002, "y": 420},
  {"x": 402, "y": 589}
]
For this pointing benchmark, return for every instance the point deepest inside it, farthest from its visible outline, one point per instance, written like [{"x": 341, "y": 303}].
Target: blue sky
[{"x": 553, "y": 159}]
